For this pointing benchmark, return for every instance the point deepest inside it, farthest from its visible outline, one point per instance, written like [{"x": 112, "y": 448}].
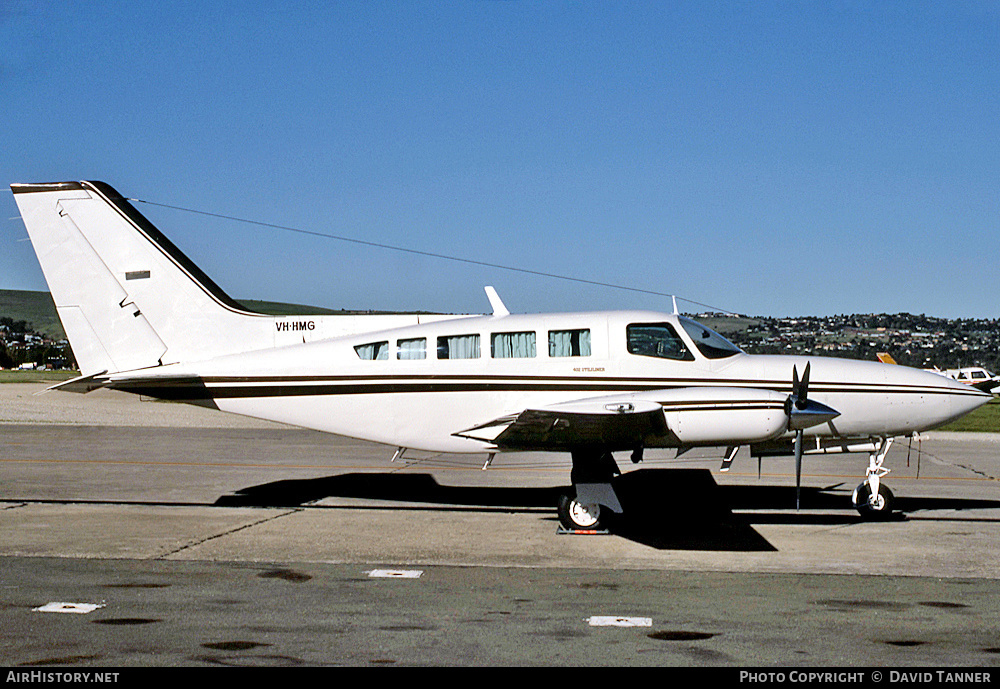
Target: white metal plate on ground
[
  {"x": 77, "y": 608},
  {"x": 395, "y": 573},
  {"x": 611, "y": 621}
]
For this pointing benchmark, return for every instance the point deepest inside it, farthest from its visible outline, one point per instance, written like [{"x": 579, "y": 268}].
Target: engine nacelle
[{"x": 723, "y": 416}]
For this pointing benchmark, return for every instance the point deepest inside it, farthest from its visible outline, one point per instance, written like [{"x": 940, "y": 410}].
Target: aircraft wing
[
  {"x": 989, "y": 385},
  {"x": 659, "y": 418}
]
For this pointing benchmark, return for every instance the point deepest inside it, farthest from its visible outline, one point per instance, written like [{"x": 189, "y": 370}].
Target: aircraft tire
[
  {"x": 882, "y": 509},
  {"x": 575, "y": 516}
]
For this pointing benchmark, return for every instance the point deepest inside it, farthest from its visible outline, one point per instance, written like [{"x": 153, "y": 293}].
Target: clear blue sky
[{"x": 771, "y": 158}]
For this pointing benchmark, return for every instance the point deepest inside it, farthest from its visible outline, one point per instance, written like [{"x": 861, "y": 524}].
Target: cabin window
[
  {"x": 373, "y": 351},
  {"x": 513, "y": 345},
  {"x": 658, "y": 340},
  {"x": 458, "y": 347},
  {"x": 711, "y": 344},
  {"x": 412, "y": 349},
  {"x": 569, "y": 342}
]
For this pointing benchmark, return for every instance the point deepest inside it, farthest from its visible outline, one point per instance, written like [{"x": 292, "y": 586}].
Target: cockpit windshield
[{"x": 711, "y": 344}]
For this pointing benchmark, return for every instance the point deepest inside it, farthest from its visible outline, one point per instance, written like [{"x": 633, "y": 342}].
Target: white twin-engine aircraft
[{"x": 141, "y": 317}]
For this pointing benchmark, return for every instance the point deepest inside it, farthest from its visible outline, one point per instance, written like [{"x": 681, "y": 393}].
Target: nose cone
[
  {"x": 935, "y": 399},
  {"x": 967, "y": 400}
]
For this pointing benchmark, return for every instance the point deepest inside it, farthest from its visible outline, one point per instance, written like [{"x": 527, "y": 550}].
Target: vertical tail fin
[{"x": 127, "y": 297}]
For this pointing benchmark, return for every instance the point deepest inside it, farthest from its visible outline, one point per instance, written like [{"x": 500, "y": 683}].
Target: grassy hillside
[
  {"x": 36, "y": 308},
  {"x": 276, "y": 308}
]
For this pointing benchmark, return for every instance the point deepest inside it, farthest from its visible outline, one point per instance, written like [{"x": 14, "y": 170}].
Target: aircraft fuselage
[{"x": 418, "y": 386}]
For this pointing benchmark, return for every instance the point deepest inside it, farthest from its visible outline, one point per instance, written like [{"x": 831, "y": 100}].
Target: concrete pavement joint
[{"x": 228, "y": 532}]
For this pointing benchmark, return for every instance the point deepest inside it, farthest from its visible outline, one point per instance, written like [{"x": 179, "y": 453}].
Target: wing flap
[{"x": 607, "y": 422}]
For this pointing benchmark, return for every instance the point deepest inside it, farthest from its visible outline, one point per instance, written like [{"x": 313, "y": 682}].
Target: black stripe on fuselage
[{"x": 232, "y": 387}]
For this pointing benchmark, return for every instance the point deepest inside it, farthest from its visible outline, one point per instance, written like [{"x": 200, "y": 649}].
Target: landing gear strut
[
  {"x": 587, "y": 508},
  {"x": 872, "y": 499}
]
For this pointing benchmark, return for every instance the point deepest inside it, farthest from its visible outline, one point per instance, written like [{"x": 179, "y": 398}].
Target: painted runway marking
[
  {"x": 76, "y": 608},
  {"x": 395, "y": 573},
  {"x": 611, "y": 621}
]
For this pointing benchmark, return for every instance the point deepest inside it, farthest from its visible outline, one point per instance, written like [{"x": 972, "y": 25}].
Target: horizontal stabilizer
[{"x": 80, "y": 384}]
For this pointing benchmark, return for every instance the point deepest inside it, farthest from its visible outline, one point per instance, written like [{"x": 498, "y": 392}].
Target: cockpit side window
[
  {"x": 711, "y": 344},
  {"x": 658, "y": 340}
]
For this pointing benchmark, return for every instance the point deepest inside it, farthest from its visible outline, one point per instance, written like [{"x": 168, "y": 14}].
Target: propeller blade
[
  {"x": 803, "y": 412},
  {"x": 798, "y": 468},
  {"x": 803, "y": 392}
]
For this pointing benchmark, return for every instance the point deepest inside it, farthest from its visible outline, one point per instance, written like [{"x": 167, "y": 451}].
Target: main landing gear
[
  {"x": 873, "y": 499},
  {"x": 578, "y": 516},
  {"x": 593, "y": 500}
]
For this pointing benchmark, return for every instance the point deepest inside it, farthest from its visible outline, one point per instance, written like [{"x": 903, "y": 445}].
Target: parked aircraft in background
[
  {"x": 141, "y": 317},
  {"x": 976, "y": 376}
]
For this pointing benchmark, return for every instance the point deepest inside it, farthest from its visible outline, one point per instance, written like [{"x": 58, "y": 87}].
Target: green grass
[
  {"x": 986, "y": 419},
  {"x": 50, "y": 377}
]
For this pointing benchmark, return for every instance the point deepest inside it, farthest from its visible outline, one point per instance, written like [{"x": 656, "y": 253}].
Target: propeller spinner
[{"x": 803, "y": 412}]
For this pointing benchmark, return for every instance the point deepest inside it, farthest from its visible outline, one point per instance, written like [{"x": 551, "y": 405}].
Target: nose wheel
[
  {"x": 873, "y": 499},
  {"x": 873, "y": 505}
]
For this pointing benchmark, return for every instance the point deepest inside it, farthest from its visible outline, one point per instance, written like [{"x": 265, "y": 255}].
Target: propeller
[
  {"x": 803, "y": 413},
  {"x": 799, "y": 402}
]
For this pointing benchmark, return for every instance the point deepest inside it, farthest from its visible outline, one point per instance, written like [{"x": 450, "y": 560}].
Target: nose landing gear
[{"x": 873, "y": 499}]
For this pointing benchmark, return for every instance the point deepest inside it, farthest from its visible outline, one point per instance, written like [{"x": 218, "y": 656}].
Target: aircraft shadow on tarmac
[{"x": 670, "y": 509}]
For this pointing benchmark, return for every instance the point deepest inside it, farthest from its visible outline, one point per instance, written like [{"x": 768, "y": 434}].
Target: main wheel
[
  {"x": 879, "y": 508},
  {"x": 576, "y": 516}
]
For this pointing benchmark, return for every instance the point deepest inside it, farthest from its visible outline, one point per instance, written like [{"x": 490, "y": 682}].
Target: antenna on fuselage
[
  {"x": 498, "y": 308},
  {"x": 673, "y": 298}
]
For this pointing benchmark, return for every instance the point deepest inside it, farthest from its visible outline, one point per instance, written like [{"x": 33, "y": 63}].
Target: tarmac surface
[{"x": 203, "y": 539}]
